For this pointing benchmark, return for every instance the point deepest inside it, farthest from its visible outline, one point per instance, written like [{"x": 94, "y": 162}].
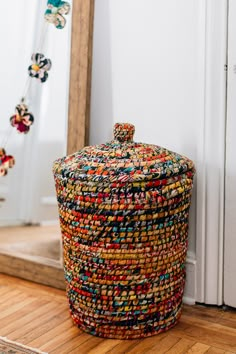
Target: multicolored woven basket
[{"x": 124, "y": 209}]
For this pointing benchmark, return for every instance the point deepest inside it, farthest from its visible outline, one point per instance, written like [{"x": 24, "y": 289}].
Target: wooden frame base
[
  {"x": 43, "y": 272},
  {"x": 80, "y": 75}
]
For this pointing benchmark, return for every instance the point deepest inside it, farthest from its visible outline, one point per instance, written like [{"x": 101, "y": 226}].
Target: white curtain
[{"x": 28, "y": 188}]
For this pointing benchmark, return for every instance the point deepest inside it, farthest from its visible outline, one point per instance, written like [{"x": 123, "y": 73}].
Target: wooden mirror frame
[
  {"x": 80, "y": 75},
  {"x": 77, "y": 135}
]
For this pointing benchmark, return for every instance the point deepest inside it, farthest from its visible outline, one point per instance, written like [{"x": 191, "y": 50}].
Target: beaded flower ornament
[
  {"x": 40, "y": 67},
  {"x": 6, "y": 162},
  {"x": 22, "y": 120},
  {"x": 56, "y": 10}
]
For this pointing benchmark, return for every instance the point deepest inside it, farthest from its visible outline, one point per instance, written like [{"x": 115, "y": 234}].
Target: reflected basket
[{"x": 124, "y": 209}]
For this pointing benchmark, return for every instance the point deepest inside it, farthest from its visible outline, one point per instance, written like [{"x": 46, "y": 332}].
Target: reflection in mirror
[{"x": 27, "y": 194}]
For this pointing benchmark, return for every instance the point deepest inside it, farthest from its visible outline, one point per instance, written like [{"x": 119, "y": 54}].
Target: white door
[{"x": 230, "y": 181}]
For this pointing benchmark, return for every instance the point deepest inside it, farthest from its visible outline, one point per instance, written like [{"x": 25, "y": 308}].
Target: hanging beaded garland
[{"x": 22, "y": 120}]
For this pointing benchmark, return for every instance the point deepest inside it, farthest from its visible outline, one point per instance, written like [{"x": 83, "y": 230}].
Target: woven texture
[
  {"x": 124, "y": 210},
  {"x": 10, "y": 347}
]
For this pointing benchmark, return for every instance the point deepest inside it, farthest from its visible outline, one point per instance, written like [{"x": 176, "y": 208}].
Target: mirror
[{"x": 30, "y": 239}]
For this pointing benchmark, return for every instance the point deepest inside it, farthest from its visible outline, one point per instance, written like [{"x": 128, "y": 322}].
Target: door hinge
[{"x": 226, "y": 67}]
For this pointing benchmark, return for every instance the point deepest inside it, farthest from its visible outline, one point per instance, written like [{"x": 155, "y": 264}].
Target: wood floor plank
[
  {"x": 210, "y": 314},
  {"x": 59, "y": 340},
  {"x": 4, "y": 290},
  {"x": 198, "y": 348},
  {"x": 80, "y": 344},
  {"x": 164, "y": 345},
  {"x": 155, "y": 344},
  {"x": 16, "y": 331},
  {"x": 87, "y": 345},
  {"x": 209, "y": 325},
  {"x": 105, "y": 346},
  {"x": 33, "y": 326},
  {"x": 45, "y": 327},
  {"x": 229, "y": 314},
  {"x": 215, "y": 351},
  {"x": 181, "y": 347},
  {"x": 124, "y": 347},
  {"x": 228, "y": 322},
  {"x": 5, "y": 297},
  {"x": 54, "y": 332},
  {"x": 21, "y": 312},
  {"x": 12, "y": 308},
  {"x": 146, "y": 344},
  {"x": 11, "y": 301},
  {"x": 211, "y": 334},
  {"x": 14, "y": 323}
]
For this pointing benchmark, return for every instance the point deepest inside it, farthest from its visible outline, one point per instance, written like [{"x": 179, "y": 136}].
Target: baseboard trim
[
  {"x": 49, "y": 201},
  {"x": 188, "y": 301},
  {"x": 190, "y": 284}
]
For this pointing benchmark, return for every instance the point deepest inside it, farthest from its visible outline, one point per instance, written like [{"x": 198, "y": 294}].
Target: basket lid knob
[{"x": 124, "y": 132}]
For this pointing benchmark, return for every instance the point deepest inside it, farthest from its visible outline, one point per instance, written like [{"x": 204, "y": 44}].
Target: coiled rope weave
[{"x": 124, "y": 209}]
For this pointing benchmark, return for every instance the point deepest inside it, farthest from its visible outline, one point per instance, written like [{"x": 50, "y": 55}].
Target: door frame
[
  {"x": 229, "y": 245},
  {"x": 211, "y": 153}
]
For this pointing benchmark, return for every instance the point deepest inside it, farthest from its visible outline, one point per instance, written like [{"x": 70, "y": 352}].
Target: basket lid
[{"x": 122, "y": 160}]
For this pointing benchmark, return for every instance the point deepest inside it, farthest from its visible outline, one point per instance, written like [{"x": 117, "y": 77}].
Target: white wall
[{"x": 146, "y": 71}]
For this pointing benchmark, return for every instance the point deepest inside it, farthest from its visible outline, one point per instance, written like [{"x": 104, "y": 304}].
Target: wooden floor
[{"x": 38, "y": 316}]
